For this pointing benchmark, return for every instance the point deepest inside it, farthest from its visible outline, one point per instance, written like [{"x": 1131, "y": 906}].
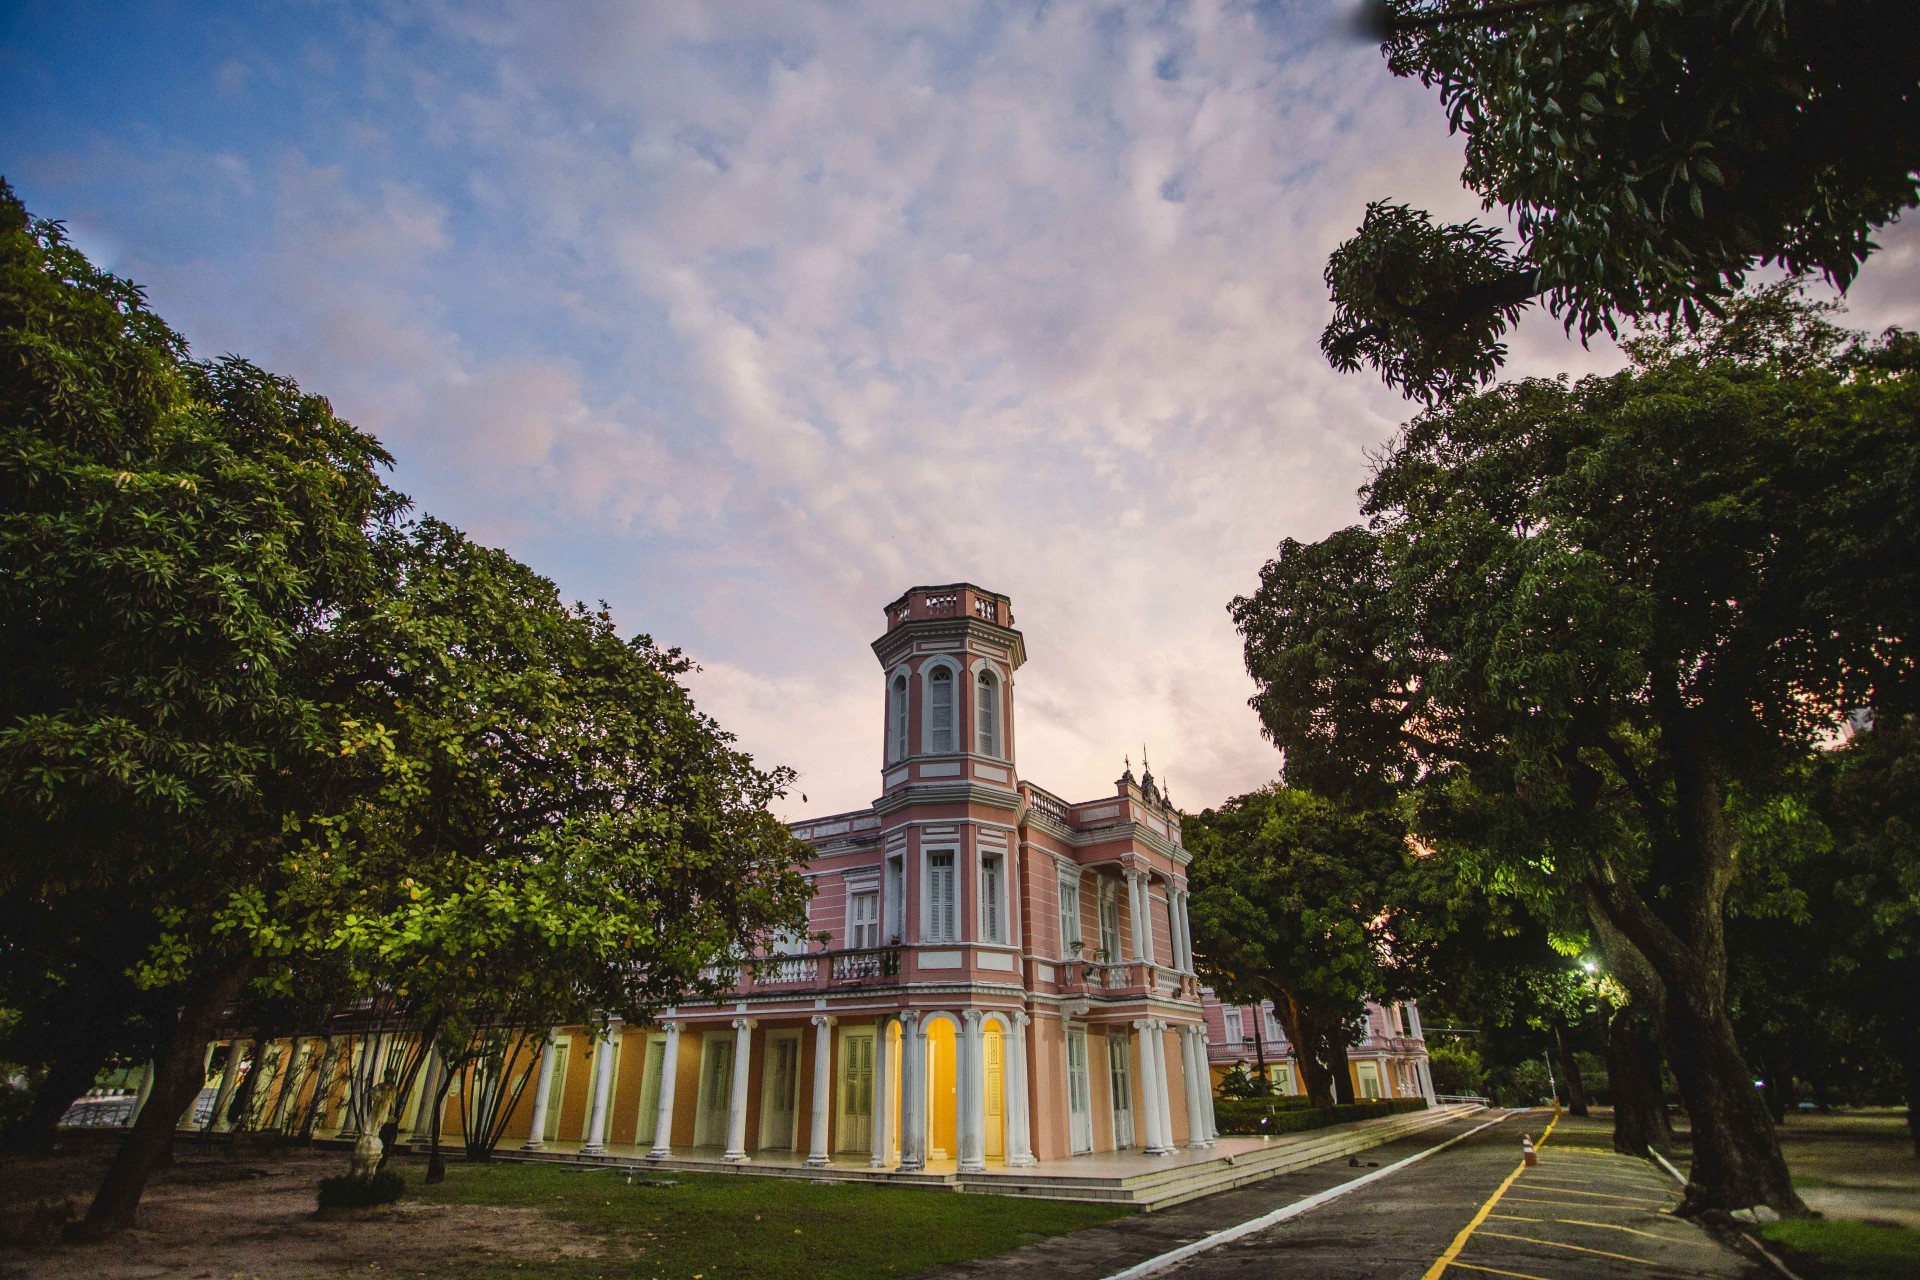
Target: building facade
[
  {"x": 1007, "y": 976},
  {"x": 1388, "y": 1058}
]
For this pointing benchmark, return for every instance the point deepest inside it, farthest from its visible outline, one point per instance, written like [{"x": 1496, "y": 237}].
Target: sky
[{"x": 746, "y": 317}]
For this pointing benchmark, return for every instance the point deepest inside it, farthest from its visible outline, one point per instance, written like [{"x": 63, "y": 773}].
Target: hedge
[{"x": 1292, "y": 1115}]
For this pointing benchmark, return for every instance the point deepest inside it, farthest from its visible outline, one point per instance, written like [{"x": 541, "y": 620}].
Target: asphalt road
[{"x": 1581, "y": 1213}]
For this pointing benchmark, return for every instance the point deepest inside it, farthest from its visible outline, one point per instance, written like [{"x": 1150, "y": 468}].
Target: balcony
[{"x": 814, "y": 971}]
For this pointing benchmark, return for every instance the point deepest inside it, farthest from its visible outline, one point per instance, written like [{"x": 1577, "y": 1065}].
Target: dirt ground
[{"x": 262, "y": 1224}]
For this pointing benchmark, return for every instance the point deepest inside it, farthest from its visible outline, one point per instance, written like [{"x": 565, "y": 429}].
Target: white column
[
  {"x": 1183, "y": 924},
  {"x": 603, "y": 1066},
  {"x": 1206, "y": 1083},
  {"x": 669, "y": 1073},
  {"x": 822, "y": 1087},
  {"x": 737, "y": 1109},
  {"x": 1137, "y": 907},
  {"x": 1426, "y": 1081},
  {"x": 1152, "y": 1087},
  {"x": 913, "y": 1093},
  {"x": 1193, "y": 1058},
  {"x": 543, "y": 1086},
  {"x": 429, "y": 1091},
  {"x": 1162, "y": 1108},
  {"x": 1386, "y": 1081},
  {"x": 1019, "y": 1124},
  {"x": 882, "y": 1126},
  {"x": 217, "y": 1122},
  {"x": 972, "y": 1090}
]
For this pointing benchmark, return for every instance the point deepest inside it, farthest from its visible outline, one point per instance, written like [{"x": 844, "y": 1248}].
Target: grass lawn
[
  {"x": 723, "y": 1226},
  {"x": 1834, "y": 1250}
]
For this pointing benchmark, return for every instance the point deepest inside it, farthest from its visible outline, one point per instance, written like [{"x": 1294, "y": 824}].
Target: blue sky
[{"x": 744, "y": 317}]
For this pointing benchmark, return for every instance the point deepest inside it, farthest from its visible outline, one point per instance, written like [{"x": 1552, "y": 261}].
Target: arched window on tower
[
  {"x": 940, "y": 710},
  {"x": 986, "y": 717},
  {"x": 897, "y": 720}
]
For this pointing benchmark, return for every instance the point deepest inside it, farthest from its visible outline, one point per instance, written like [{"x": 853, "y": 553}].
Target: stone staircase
[{"x": 1175, "y": 1184}]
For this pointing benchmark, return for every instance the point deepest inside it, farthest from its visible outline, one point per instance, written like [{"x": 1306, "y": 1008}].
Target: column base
[
  {"x": 659, "y": 1153},
  {"x": 1156, "y": 1151},
  {"x": 818, "y": 1162},
  {"x": 1020, "y": 1162},
  {"x": 531, "y": 1145},
  {"x": 735, "y": 1157},
  {"x": 912, "y": 1166},
  {"x": 972, "y": 1166},
  {"x": 596, "y": 1149}
]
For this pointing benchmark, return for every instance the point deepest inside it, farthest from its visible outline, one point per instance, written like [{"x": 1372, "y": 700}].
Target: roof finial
[{"x": 1127, "y": 777}]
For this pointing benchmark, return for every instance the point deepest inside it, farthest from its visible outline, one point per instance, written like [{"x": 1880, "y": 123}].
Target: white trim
[{"x": 957, "y": 675}]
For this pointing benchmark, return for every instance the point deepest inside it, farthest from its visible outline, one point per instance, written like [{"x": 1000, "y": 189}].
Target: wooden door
[
  {"x": 1079, "y": 1101},
  {"x": 856, "y": 1091}
]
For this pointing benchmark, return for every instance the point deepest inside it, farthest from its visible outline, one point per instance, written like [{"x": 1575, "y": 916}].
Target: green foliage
[
  {"x": 349, "y": 1192},
  {"x": 1457, "y": 1070},
  {"x": 1649, "y": 154},
  {"x": 1291, "y": 903},
  {"x": 1848, "y": 1250},
  {"x": 1596, "y": 630}
]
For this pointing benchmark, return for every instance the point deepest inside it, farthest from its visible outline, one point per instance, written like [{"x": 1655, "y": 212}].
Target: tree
[
  {"x": 1628, "y": 608},
  {"x": 1649, "y": 154},
  {"x": 284, "y": 738},
  {"x": 1289, "y": 905}
]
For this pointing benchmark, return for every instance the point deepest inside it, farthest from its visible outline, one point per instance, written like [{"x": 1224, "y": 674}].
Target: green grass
[
  {"x": 1826, "y": 1249},
  {"x": 722, "y": 1226}
]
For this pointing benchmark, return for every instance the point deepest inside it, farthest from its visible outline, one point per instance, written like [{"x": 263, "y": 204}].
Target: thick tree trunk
[
  {"x": 1304, "y": 1035},
  {"x": 1569, "y": 1065},
  {"x": 1336, "y": 1051},
  {"x": 179, "y": 1073},
  {"x": 240, "y": 1110},
  {"x": 67, "y": 1079},
  {"x": 1736, "y": 1156},
  {"x": 1639, "y": 1114}
]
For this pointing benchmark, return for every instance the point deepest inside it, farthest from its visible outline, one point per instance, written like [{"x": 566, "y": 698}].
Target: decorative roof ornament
[
  {"x": 1146, "y": 778},
  {"x": 1126, "y": 779}
]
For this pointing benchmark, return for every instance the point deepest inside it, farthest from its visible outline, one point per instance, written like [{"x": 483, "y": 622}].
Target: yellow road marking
[
  {"x": 1495, "y": 1271},
  {"x": 1613, "y": 1226},
  {"x": 1515, "y": 1217},
  {"x": 1582, "y": 1204},
  {"x": 1480, "y": 1215},
  {"x": 1596, "y": 1195},
  {"x": 1577, "y": 1248}
]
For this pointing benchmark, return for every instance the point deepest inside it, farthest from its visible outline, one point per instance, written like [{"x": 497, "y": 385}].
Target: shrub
[
  {"x": 1292, "y": 1115},
  {"x": 349, "y": 1192}
]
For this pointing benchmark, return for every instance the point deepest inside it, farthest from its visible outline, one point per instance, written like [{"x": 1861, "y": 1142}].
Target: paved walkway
[{"x": 1582, "y": 1213}]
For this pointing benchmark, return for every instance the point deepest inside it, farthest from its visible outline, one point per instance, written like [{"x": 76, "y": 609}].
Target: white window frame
[
  {"x": 1110, "y": 919},
  {"x": 930, "y": 743},
  {"x": 863, "y": 935},
  {"x": 897, "y": 721},
  {"x": 1069, "y": 919},
  {"x": 940, "y": 921},
  {"x": 993, "y": 897},
  {"x": 1234, "y": 1026},
  {"x": 986, "y": 713}
]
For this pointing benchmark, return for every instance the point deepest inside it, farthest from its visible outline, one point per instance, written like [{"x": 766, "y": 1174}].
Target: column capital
[
  {"x": 971, "y": 1017},
  {"x": 1143, "y": 1024},
  {"x": 823, "y": 1019},
  {"x": 1020, "y": 1018},
  {"x": 745, "y": 1024}
]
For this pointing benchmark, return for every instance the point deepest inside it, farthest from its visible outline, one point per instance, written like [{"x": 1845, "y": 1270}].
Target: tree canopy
[
  {"x": 1615, "y": 614},
  {"x": 279, "y": 735},
  {"x": 1649, "y": 154}
]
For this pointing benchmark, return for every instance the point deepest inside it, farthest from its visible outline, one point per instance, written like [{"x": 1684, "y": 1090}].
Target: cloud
[{"x": 747, "y": 318}]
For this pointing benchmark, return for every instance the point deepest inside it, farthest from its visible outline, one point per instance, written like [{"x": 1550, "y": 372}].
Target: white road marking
[{"x": 1155, "y": 1265}]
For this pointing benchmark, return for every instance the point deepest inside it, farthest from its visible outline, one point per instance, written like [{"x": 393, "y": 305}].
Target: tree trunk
[
  {"x": 436, "y": 1158},
  {"x": 179, "y": 1074},
  {"x": 1736, "y": 1155},
  {"x": 1569, "y": 1065},
  {"x": 1336, "y": 1050},
  {"x": 1639, "y": 1114},
  {"x": 1303, "y": 1034},
  {"x": 67, "y": 1079}
]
